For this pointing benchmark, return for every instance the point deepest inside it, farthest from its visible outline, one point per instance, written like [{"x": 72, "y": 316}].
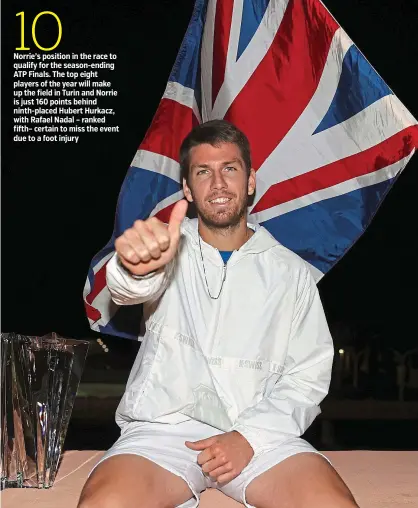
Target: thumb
[
  {"x": 200, "y": 445},
  {"x": 178, "y": 213}
]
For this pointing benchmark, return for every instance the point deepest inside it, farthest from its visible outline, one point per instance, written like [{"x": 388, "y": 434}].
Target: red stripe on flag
[
  {"x": 377, "y": 157},
  {"x": 99, "y": 283},
  {"x": 164, "y": 214},
  {"x": 222, "y": 32},
  {"x": 286, "y": 79},
  {"x": 91, "y": 312},
  {"x": 170, "y": 125}
]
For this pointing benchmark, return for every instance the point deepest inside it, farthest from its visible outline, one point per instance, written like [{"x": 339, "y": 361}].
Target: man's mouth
[{"x": 220, "y": 201}]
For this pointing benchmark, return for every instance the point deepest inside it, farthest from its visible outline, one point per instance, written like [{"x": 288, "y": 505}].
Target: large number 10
[{"x": 22, "y": 24}]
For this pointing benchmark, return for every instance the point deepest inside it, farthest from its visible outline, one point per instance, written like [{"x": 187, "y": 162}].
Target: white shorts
[{"x": 163, "y": 444}]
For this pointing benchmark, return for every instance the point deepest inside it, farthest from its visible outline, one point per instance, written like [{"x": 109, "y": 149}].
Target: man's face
[{"x": 219, "y": 184}]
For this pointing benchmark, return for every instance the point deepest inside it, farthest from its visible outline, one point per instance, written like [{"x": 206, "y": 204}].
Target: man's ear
[
  {"x": 251, "y": 182},
  {"x": 187, "y": 191}
]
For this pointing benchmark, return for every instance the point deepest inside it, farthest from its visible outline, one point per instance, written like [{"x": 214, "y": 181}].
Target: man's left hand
[{"x": 223, "y": 456}]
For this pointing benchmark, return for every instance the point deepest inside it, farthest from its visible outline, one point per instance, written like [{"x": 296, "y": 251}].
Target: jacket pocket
[{"x": 244, "y": 382}]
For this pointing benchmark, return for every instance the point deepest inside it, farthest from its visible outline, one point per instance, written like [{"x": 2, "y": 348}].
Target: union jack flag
[{"x": 327, "y": 134}]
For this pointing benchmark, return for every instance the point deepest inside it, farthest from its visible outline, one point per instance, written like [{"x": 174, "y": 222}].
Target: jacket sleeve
[
  {"x": 293, "y": 403},
  {"x": 126, "y": 289}
]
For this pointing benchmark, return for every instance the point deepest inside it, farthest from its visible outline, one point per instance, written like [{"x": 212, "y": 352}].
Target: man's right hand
[{"x": 148, "y": 245}]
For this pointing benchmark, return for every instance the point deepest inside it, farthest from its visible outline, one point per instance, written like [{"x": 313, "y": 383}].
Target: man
[{"x": 236, "y": 358}]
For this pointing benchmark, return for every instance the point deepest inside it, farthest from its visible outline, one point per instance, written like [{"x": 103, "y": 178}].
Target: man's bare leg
[
  {"x": 129, "y": 481},
  {"x": 305, "y": 480}
]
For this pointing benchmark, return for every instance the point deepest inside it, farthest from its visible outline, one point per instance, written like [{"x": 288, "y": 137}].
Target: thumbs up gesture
[{"x": 149, "y": 245}]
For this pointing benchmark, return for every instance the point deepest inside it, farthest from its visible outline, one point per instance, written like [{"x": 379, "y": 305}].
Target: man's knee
[
  {"x": 124, "y": 481},
  {"x": 99, "y": 499},
  {"x": 305, "y": 480},
  {"x": 327, "y": 501},
  {"x": 110, "y": 498}
]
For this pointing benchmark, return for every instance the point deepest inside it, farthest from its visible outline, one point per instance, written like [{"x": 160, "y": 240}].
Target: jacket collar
[{"x": 261, "y": 241}]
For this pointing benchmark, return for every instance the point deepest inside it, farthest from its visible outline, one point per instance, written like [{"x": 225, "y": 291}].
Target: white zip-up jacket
[{"x": 256, "y": 360}]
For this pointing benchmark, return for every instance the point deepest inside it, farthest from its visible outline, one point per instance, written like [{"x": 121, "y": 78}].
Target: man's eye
[
  {"x": 202, "y": 171},
  {"x": 230, "y": 168}
]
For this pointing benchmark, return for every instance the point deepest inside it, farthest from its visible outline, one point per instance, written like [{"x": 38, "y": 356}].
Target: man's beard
[{"x": 230, "y": 219}]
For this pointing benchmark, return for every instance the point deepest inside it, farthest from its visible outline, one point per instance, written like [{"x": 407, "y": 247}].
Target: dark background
[{"x": 58, "y": 201}]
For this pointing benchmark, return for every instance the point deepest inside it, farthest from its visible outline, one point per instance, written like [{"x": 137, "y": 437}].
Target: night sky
[{"x": 59, "y": 200}]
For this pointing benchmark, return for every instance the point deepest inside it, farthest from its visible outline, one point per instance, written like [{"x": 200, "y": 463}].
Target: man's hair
[{"x": 213, "y": 133}]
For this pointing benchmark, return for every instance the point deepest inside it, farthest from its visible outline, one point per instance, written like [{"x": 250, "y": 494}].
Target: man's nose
[{"x": 218, "y": 180}]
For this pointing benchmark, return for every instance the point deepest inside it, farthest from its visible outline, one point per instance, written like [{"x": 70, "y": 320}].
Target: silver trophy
[{"x": 39, "y": 381}]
